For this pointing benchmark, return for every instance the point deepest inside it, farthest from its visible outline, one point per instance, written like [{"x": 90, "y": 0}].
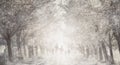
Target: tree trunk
[
  {"x": 9, "y": 49},
  {"x": 104, "y": 51},
  {"x": 119, "y": 47},
  {"x": 30, "y": 51},
  {"x": 96, "y": 52},
  {"x": 19, "y": 49},
  {"x": 36, "y": 50},
  {"x": 100, "y": 54},
  {"x": 87, "y": 52},
  {"x": 111, "y": 51},
  {"x": 111, "y": 55},
  {"x": 84, "y": 53},
  {"x": 118, "y": 42},
  {"x": 118, "y": 39},
  {"x": 24, "y": 51},
  {"x": 19, "y": 45}
]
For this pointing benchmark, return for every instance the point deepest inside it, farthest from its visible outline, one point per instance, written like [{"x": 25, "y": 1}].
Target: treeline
[
  {"x": 15, "y": 16},
  {"x": 107, "y": 30}
]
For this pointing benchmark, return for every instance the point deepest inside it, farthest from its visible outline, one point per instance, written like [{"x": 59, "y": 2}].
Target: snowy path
[{"x": 35, "y": 61}]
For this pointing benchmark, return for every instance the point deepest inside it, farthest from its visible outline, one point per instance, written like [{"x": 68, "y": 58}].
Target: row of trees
[
  {"x": 15, "y": 16},
  {"x": 106, "y": 31},
  {"x": 109, "y": 33}
]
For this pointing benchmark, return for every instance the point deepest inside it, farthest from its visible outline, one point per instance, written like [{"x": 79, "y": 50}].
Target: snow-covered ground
[{"x": 38, "y": 61}]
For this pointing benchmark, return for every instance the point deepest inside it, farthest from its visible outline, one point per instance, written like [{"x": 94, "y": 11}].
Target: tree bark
[
  {"x": 24, "y": 51},
  {"x": 104, "y": 51},
  {"x": 19, "y": 49},
  {"x": 119, "y": 46},
  {"x": 95, "y": 50},
  {"x": 100, "y": 54},
  {"x": 87, "y": 52},
  {"x": 117, "y": 36},
  {"x": 118, "y": 42},
  {"x": 19, "y": 45},
  {"x": 110, "y": 49},
  {"x": 30, "y": 51},
  {"x": 36, "y": 50},
  {"x": 9, "y": 49}
]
